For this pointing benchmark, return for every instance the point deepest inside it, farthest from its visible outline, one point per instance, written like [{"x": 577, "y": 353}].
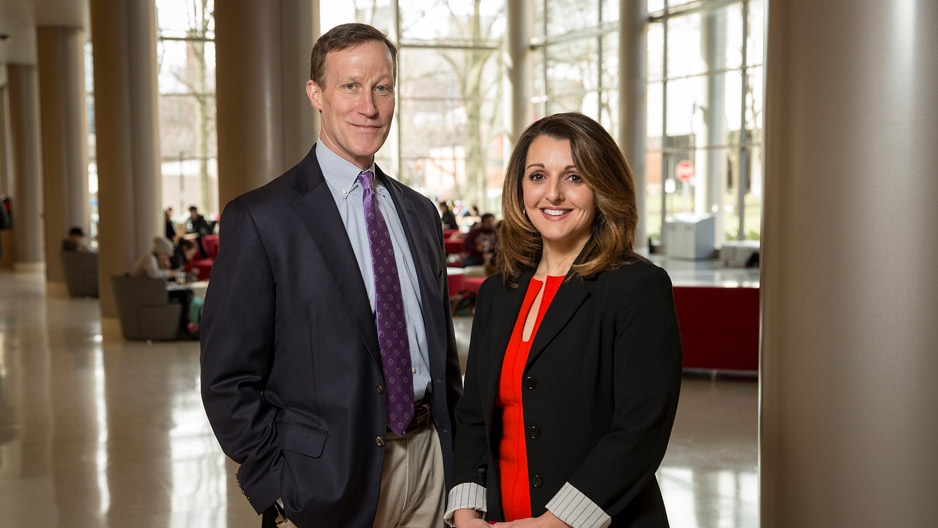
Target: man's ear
[{"x": 314, "y": 93}]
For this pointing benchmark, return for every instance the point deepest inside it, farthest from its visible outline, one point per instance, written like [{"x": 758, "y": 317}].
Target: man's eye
[{"x": 350, "y": 86}]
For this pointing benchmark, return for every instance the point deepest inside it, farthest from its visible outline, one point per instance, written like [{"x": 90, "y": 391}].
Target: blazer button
[
  {"x": 534, "y": 432},
  {"x": 380, "y": 389},
  {"x": 379, "y": 441},
  {"x": 537, "y": 481},
  {"x": 530, "y": 383}
]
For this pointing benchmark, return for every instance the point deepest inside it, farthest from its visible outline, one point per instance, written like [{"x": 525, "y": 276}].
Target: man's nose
[{"x": 366, "y": 103}]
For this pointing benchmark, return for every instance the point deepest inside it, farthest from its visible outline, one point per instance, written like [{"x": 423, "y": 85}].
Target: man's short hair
[
  {"x": 342, "y": 37},
  {"x": 76, "y": 231}
]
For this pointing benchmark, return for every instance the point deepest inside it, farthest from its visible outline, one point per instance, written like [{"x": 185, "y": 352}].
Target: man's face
[{"x": 356, "y": 103}]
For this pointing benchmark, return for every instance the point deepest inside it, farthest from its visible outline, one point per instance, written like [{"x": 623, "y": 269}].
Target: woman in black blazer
[{"x": 574, "y": 366}]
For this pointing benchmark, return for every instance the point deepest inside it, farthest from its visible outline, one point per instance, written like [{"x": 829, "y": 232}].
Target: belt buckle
[{"x": 420, "y": 419}]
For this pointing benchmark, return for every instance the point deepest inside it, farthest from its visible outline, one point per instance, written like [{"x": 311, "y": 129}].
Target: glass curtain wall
[
  {"x": 704, "y": 98},
  {"x": 576, "y": 59},
  {"x": 449, "y": 139},
  {"x": 705, "y": 104},
  {"x": 188, "y": 143}
]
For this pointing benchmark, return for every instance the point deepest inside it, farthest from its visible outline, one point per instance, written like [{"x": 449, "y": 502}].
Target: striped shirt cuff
[
  {"x": 572, "y": 507},
  {"x": 467, "y": 495}
]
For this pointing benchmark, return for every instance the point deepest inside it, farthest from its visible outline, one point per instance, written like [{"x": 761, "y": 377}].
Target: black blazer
[
  {"x": 601, "y": 388},
  {"x": 291, "y": 372}
]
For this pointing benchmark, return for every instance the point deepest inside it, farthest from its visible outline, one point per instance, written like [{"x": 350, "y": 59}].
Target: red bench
[{"x": 719, "y": 327}]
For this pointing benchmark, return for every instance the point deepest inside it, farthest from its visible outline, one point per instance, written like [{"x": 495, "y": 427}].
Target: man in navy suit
[{"x": 292, "y": 378}]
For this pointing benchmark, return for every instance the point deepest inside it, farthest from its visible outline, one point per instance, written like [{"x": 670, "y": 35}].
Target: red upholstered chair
[
  {"x": 472, "y": 283},
  {"x": 210, "y": 244},
  {"x": 203, "y": 267}
]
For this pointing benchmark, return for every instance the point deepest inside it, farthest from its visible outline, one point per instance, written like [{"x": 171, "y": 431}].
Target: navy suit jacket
[{"x": 291, "y": 371}]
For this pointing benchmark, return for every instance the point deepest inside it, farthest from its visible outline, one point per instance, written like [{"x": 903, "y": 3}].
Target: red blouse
[{"x": 512, "y": 453}]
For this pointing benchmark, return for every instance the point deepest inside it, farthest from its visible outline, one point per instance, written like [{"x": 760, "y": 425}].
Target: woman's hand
[
  {"x": 548, "y": 520},
  {"x": 466, "y": 518}
]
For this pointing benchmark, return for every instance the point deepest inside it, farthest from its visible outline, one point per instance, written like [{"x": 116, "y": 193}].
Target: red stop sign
[{"x": 684, "y": 170}]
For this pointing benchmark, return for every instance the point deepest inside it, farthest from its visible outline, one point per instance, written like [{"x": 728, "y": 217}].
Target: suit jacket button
[
  {"x": 537, "y": 481},
  {"x": 530, "y": 383},
  {"x": 379, "y": 441},
  {"x": 534, "y": 432},
  {"x": 380, "y": 389}
]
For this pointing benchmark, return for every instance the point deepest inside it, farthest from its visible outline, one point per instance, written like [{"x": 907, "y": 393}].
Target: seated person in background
[
  {"x": 199, "y": 226},
  {"x": 75, "y": 241},
  {"x": 447, "y": 216},
  {"x": 480, "y": 241},
  {"x": 170, "y": 226},
  {"x": 197, "y": 223},
  {"x": 190, "y": 258},
  {"x": 156, "y": 263}
]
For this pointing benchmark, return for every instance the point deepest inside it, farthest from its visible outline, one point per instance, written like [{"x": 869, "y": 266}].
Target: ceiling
[{"x": 19, "y": 19}]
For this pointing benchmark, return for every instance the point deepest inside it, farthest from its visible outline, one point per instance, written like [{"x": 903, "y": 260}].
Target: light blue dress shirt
[{"x": 342, "y": 178}]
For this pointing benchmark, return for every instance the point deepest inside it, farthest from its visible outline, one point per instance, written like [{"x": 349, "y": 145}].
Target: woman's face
[{"x": 556, "y": 200}]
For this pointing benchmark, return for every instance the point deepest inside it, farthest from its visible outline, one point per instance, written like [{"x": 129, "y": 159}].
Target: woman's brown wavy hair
[{"x": 603, "y": 168}]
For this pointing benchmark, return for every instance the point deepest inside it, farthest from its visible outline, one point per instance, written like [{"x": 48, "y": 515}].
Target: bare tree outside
[{"x": 187, "y": 102}]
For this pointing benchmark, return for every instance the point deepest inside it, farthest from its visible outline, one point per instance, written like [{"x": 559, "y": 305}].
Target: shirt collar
[{"x": 340, "y": 173}]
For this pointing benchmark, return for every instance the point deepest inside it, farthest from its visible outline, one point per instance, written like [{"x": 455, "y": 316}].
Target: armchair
[
  {"x": 144, "y": 310},
  {"x": 81, "y": 273}
]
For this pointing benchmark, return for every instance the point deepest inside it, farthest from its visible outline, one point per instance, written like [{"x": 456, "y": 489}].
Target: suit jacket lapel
[
  {"x": 562, "y": 308},
  {"x": 419, "y": 241},
  {"x": 316, "y": 208}
]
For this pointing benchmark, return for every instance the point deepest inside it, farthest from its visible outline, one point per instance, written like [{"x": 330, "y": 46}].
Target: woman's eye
[
  {"x": 575, "y": 178},
  {"x": 535, "y": 176}
]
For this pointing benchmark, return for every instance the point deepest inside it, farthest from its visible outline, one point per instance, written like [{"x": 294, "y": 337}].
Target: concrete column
[
  {"x": 6, "y": 171},
  {"x": 125, "y": 96},
  {"x": 259, "y": 108},
  {"x": 61, "y": 61},
  {"x": 633, "y": 84},
  {"x": 708, "y": 196},
  {"x": 518, "y": 69},
  {"x": 27, "y": 167},
  {"x": 299, "y": 20},
  {"x": 848, "y": 423}
]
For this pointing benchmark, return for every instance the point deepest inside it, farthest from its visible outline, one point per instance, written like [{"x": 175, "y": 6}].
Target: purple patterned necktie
[{"x": 389, "y": 314}]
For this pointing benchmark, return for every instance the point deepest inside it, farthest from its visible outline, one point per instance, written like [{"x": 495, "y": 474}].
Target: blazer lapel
[
  {"x": 316, "y": 208},
  {"x": 562, "y": 308},
  {"x": 501, "y": 323}
]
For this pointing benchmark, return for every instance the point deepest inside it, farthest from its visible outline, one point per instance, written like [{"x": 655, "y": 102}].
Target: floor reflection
[{"x": 100, "y": 432}]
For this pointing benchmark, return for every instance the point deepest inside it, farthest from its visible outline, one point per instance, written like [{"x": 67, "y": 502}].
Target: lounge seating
[
  {"x": 144, "y": 310},
  {"x": 719, "y": 327},
  {"x": 81, "y": 273}
]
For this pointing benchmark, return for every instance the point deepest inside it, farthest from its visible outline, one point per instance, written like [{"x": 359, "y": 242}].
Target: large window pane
[
  {"x": 186, "y": 81},
  {"x": 712, "y": 119},
  {"x": 450, "y": 114},
  {"x": 565, "y": 16},
  {"x": 684, "y": 49},
  {"x": 453, "y": 21}
]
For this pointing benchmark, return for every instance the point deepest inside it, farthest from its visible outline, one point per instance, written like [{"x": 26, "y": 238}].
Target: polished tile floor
[{"x": 99, "y": 432}]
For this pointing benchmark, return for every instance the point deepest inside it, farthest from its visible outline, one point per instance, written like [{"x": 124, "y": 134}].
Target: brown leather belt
[{"x": 422, "y": 415}]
